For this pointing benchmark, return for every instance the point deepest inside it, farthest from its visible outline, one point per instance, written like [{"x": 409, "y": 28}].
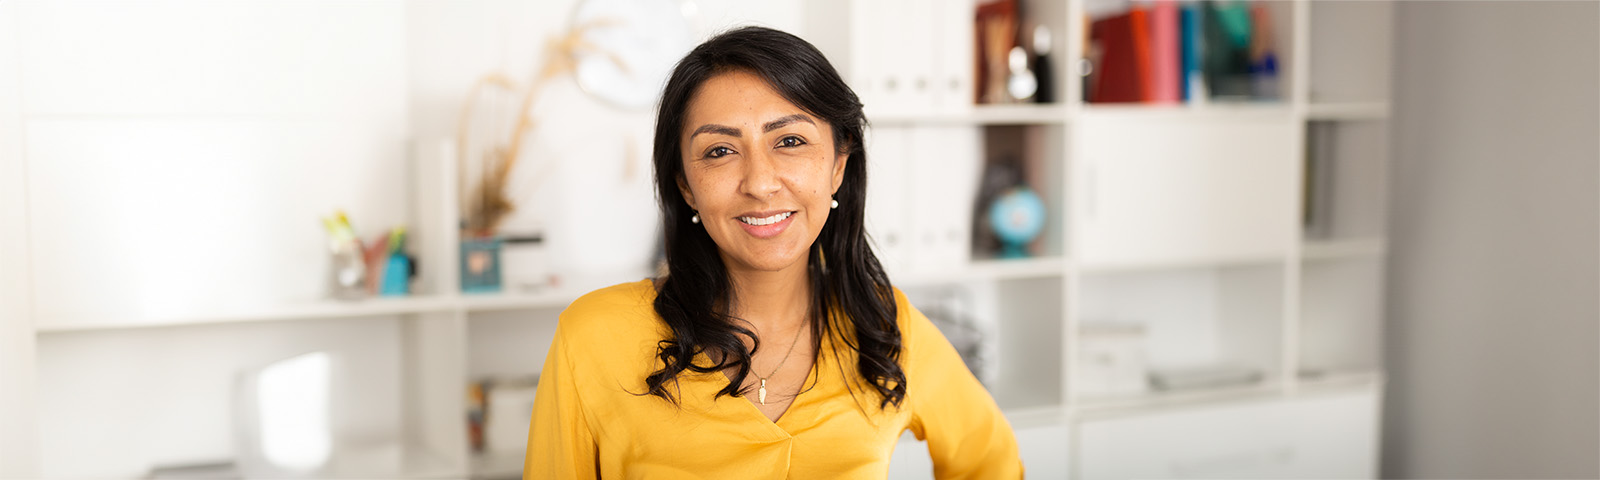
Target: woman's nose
[{"x": 761, "y": 175}]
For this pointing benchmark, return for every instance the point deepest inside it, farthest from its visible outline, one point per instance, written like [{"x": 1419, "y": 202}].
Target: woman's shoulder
[
  {"x": 612, "y": 312},
  {"x": 913, "y": 324},
  {"x": 903, "y": 311}
]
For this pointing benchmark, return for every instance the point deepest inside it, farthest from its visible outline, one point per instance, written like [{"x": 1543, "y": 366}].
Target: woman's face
[{"x": 760, "y": 171}]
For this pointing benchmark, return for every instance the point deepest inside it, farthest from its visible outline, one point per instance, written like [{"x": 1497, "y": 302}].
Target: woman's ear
[
  {"x": 839, "y": 160},
  {"x": 688, "y": 195}
]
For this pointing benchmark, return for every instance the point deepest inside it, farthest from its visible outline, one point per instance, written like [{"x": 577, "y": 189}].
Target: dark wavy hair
[{"x": 851, "y": 298}]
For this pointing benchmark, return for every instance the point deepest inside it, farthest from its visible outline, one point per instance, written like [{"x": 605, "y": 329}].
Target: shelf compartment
[
  {"x": 508, "y": 344},
  {"x": 1346, "y": 180},
  {"x": 1341, "y": 317},
  {"x": 1011, "y": 331},
  {"x": 1028, "y": 367},
  {"x": 1345, "y": 67},
  {"x": 1281, "y": 33},
  {"x": 130, "y": 387},
  {"x": 919, "y": 203},
  {"x": 1228, "y": 317},
  {"x": 922, "y": 207},
  {"x": 1027, "y": 156}
]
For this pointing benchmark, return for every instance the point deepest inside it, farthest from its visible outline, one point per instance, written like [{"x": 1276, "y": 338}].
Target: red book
[
  {"x": 1119, "y": 77},
  {"x": 1139, "y": 23},
  {"x": 1165, "y": 73}
]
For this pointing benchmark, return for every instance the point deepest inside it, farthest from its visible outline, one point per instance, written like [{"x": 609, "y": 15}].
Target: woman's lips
[{"x": 765, "y": 224}]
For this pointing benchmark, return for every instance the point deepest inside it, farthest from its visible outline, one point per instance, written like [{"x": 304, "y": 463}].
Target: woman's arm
[
  {"x": 560, "y": 444},
  {"x": 967, "y": 435}
]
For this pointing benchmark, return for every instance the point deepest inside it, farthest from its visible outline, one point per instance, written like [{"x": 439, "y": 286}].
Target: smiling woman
[
  {"x": 762, "y": 187},
  {"x": 761, "y": 176}
]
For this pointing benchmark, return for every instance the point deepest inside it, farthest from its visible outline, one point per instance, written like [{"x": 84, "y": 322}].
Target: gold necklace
[{"x": 761, "y": 393}]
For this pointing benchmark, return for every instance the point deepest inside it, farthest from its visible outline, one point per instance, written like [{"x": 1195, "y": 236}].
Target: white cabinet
[
  {"x": 1319, "y": 436},
  {"x": 1177, "y": 191}
]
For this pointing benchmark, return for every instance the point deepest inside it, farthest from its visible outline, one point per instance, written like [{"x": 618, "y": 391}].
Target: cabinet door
[
  {"x": 1180, "y": 190},
  {"x": 1330, "y": 435}
]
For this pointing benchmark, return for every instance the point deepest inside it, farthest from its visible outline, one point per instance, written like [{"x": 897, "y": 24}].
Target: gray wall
[{"x": 1495, "y": 307}]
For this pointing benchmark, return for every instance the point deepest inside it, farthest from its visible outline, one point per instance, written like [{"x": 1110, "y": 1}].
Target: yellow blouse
[{"x": 591, "y": 421}]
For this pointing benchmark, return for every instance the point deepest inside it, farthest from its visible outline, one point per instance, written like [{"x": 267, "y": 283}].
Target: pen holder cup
[{"x": 480, "y": 264}]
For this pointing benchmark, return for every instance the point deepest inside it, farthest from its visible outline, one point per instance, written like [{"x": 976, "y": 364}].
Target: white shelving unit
[
  {"x": 1185, "y": 221},
  {"x": 1194, "y": 222}
]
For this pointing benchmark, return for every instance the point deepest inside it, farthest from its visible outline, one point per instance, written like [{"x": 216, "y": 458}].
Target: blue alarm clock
[{"x": 1017, "y": 217}]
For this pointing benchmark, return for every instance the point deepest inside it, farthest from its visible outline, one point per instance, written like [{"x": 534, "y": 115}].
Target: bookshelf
[
  {"x": 1245, "y": 234},
  {"x": 1188, "y": 221}
]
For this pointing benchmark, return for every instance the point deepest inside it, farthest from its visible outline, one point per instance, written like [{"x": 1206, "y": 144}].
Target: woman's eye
[
  {"x": 791, "y": 141},
  {"x": 719, "y": 152}
]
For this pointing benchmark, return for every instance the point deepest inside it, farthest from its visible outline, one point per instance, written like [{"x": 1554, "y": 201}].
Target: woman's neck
[{"x": 773, "y": 301}]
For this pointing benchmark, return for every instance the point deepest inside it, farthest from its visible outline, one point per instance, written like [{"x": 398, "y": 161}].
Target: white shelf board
[
  {"x": 1266, "y": 389},
  {"x": 310, "y": 310},
  {"x": 1337, "y": 379},
  {"x": 1161, "y": 400},
  {"x": 556, "y": 298},
  {"x": 1213, "y": 111},
  {"x": 995, "y": 269},
  {"x": 1089, "y": 268},
  {"x": 1344, "y": 249},
  {"x": 1019, "y": 114},
  {"x": 1036, "y": 417},
  {"x": 571, "y": 287},
  {"x": 1347, "y": 111}
]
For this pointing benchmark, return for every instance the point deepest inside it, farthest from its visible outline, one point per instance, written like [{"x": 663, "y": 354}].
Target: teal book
[
  {"x": 1225, "y": 60},
  {"x": 1189, "y": 37}
]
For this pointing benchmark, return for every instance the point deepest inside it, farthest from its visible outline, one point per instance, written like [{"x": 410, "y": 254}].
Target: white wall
[
  {"x": 178, "y": 155},
  {"x": 17, "y": 443},
  {"x": 583, "y": 156},
  {"x": 1496, "y": 274}
]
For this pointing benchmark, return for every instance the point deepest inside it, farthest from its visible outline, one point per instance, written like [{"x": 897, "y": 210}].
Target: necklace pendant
[{"x": 761, "y": 394}]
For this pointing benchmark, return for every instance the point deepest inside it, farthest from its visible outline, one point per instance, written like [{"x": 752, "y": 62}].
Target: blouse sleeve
[
  {"x": 560, "y": 444},
  {"x": 967, "y": 435}
]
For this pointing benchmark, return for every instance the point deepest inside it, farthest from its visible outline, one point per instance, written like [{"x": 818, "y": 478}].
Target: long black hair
[{"x": 851, "y": 298}]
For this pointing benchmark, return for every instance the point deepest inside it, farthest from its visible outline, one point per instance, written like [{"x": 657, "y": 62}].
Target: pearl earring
[
  {"x": 695, "y": 218},
  {"x": 835, "y": 204}
]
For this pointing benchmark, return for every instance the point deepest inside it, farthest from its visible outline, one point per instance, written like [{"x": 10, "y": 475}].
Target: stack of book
[{"x": 1166, "y": 51}]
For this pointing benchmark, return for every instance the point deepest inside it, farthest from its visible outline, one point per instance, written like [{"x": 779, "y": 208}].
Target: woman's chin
[{"x": 766, "y": 261}]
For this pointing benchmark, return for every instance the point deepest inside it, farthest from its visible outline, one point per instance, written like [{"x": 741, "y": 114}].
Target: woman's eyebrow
[
  {"x": 717, "y": 129},
  {"x": 785, "y": 121}
]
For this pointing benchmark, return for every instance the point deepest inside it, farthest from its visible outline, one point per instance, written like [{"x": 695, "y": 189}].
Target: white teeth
[{"x": 765, "y": 221}]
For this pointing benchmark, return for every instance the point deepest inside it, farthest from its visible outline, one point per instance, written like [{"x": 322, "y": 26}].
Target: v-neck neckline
[{"x": 785, "y": 420}]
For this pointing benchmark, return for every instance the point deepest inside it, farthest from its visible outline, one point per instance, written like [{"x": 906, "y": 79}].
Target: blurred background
[{"x": 1175, "y": 239}]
